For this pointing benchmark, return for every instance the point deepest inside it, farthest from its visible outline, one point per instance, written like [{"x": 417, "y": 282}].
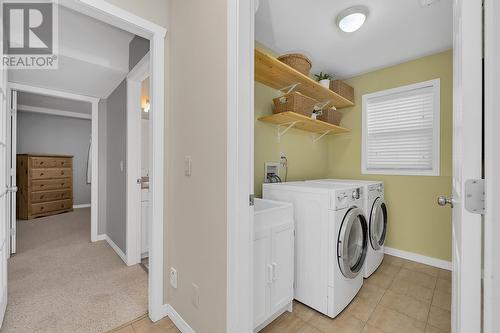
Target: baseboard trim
[
  {"x": 100, "y": 237},
  {"x": 439, "y": 263},
  {"x": 81, "y": 206},
  {"x": 178, "y": 321},
  {"x": 115, "y": 247}
]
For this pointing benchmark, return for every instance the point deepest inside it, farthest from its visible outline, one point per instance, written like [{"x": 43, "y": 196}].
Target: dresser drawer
[
  {"x": 50, "y": 195},
  {"x": 44, "y": 207},
  {"x": 52, "y": 184},
  {"x": 51, "y": 173},
  {"x": 51, "y": 162}
]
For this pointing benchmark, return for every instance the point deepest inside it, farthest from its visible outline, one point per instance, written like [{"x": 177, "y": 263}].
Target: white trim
[
  {"x": 240, "y": 122},
  {"x": 101, "y": 237},
  {"x": 436, "y": 86},
  {"x": 134, "y": 80},
  {"x": 115, "y": 248},
  {"x": 439, "y": 263},
  {"x": 94, "y": 218},
  {"x": 53, "y": 112},
  {"x": 491, "y": 291},
  {"x": 178, "y": 321},
  {"x": 51, "y": 92},
  {"x": 82, "y": 206},
  {"x": 116, "y": 16}
]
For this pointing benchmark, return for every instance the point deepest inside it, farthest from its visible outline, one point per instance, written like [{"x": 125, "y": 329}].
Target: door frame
[
  {"x": 134, "y": 127},
  {"x": 491, "y": 292},
  {"x": 240, "y": 134},
  {"x": 120, "y": 18},
  {"x": 94, "y": 197}
]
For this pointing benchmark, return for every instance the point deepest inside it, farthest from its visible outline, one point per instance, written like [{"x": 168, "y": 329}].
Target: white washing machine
[
  {"x": 331, "y": 242},
  {"x": 376, "y": 212}
]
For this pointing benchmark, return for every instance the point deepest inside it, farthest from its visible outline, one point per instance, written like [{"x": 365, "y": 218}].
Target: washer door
[
  {"x": 352, "y": 243},
  {"x": 378, "y": 223}
]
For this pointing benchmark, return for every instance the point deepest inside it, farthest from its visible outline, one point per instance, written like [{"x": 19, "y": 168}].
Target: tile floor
[{"x": 400, "y": 297}]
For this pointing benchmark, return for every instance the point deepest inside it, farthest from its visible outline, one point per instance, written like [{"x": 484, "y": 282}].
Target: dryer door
[
  {"x": 378, "y": 223},
  {"x": 352, "y": 243}
]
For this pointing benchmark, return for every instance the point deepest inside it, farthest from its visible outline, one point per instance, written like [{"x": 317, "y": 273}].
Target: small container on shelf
[
  {"x": 294, "y": 102},
  {"x": 343, "y": 89},
  {"x": 331, "y": 116},
  {"x": 298, "y": 62}
]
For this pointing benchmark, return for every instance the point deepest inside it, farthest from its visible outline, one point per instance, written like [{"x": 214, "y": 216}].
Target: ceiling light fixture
[{"x": 352, "y": 18}]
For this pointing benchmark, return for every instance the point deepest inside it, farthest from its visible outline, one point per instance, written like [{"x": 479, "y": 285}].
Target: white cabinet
[{"x": 273, "y": 268}]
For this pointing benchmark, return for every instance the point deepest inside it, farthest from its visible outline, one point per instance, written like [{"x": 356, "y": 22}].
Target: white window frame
[{"x": 435, "y": 171}]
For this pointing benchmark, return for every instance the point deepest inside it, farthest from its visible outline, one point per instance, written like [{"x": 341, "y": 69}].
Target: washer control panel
[{"x": 344, "y": 198}]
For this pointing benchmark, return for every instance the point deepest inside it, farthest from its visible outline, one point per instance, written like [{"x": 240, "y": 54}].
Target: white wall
[{"x": 48, "y": 134}]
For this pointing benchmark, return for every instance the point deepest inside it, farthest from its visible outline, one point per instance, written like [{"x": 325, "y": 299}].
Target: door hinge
[
  {"x": 12, "y": 231},
  {"x": 475, "y": 196},
  {"x": 252, "y": 200}
]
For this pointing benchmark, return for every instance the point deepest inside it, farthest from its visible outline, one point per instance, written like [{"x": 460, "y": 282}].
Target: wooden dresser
[{"x": 45, "y": 185}]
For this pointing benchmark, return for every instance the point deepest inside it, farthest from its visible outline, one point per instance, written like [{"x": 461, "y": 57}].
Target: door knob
[{"x": 443, "y": 201}]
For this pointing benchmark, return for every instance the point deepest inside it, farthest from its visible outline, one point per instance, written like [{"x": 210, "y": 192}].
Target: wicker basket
[
  {"x": 331, "y": 116},
  {"x": 343, "y": 89},
  {"x": 298, "y": 62},
  {"x": 294, "y": 102}
]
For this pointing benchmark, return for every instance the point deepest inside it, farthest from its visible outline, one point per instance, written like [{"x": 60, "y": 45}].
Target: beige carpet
[{"x": 60, "y": 282}]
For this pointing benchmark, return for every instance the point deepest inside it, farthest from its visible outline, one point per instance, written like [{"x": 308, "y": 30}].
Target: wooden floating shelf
[
  {"x": 273, "y": 73},
  {"x": 304, "y": 123}
]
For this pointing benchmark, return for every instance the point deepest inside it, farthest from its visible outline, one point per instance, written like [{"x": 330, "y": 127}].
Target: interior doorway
[{"x": 116, "y": 17}]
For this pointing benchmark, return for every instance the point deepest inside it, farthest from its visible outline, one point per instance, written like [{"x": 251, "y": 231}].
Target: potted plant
[{"x": 324, "y": 79}]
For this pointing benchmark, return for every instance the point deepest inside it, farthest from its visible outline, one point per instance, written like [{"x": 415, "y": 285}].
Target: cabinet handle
[
  {"x": 269, "y": 274},
  {"x": 275, "y": 271}
]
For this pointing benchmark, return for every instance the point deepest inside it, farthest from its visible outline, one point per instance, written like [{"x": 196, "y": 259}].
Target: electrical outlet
[
  {"x": 195, "y": 295},
  {"x": 173, "y": 277},
  {"x": 187, "y": 166}
]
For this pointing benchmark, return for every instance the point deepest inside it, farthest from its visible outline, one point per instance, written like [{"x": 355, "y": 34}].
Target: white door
[
  {"x": 467, "y": 156},
  {"x": 11, "y": 170},
  {"x": 492, "y": 165},
  {"x": 282, "y": 262}
]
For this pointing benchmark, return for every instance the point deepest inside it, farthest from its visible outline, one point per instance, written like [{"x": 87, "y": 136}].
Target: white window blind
[{"x": 401, "y": 130}]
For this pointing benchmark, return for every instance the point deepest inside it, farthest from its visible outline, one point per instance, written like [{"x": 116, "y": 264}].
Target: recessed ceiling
[
  {"x": 394, "y": 32},
  {"x": 52, "y": 103},
  {"x": 93, "y": 58}
]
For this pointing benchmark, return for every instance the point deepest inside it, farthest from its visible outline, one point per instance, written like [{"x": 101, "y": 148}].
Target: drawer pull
[
  {"x": 42, "y": 208},
  {"x": 42, "y": 196},
  {"x": 62, "y": 205},
  {"x": 42, "y": 185}
]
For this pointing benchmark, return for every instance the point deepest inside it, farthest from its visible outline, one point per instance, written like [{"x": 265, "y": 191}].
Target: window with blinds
[{"x": 401, "y": 130}]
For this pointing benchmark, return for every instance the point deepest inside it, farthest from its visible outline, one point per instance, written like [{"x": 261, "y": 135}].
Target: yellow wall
[
  {"x": 416, "y": 223},
  {"x": 306, "y": 160}
]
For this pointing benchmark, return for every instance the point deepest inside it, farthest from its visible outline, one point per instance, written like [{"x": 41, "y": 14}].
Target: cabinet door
[
  {"x": 262, "y": 276},
  {"x": 282, "y": 262}
]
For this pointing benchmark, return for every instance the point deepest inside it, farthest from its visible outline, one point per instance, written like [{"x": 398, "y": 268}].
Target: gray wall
[
  {"x": 48, "y": 134},
  {"x": 116, "y": 126},
  {"x": 137, "y": 50}
]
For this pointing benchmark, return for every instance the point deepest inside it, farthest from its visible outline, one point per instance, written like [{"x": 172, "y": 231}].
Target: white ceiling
[
  {"x": 394, "y": 32},
  {"x": 93, "y": 58},
  {"x": 53, "y": 103}
]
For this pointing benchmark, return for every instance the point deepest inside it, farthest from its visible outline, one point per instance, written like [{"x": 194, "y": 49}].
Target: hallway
[{"x": 60, "y": 282}]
